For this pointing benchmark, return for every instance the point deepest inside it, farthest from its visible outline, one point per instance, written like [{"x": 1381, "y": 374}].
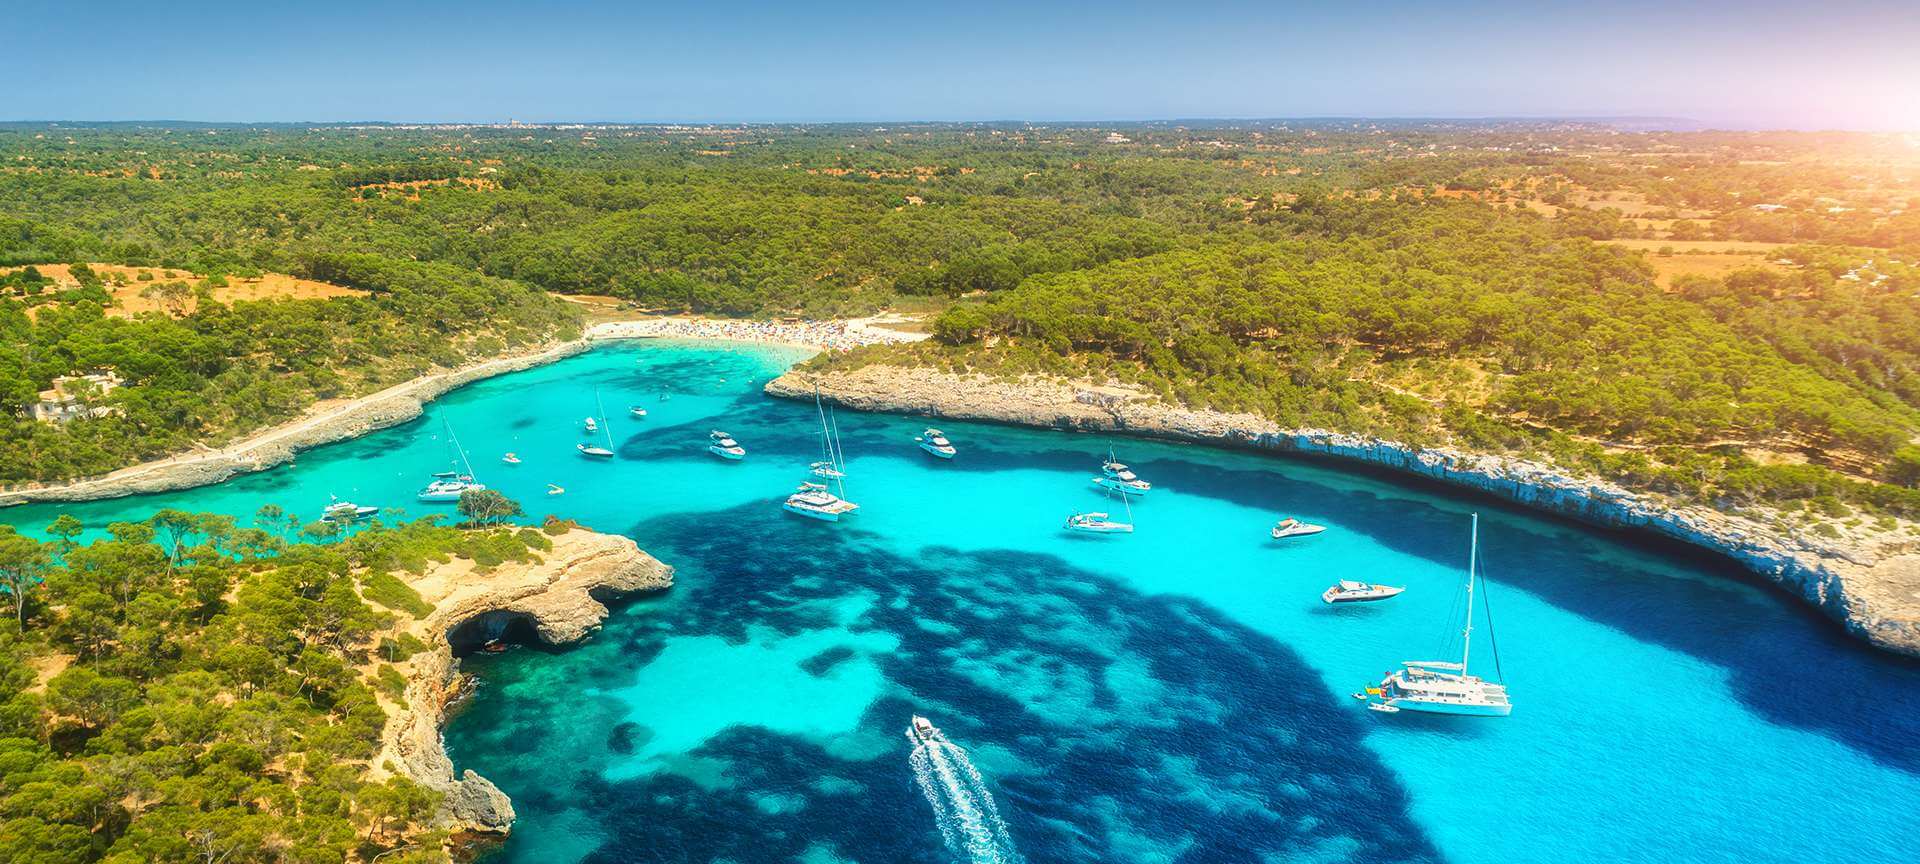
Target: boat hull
[
  {"x": 1121, "y": 487},
  {"x": 1336, "y": 598},
  {"x": 937, "y": 452},
  {"x": 811, "y": 513},
  {"x": 1463, "y": 710},
  {"x": 729, "y": 455}
]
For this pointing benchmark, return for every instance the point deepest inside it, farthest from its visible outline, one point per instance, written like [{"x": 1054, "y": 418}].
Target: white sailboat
[
  {"x": 596, "y": 451},
  {"x": 1441, "y": 686},
  {"x": 816, "y": 500},
  {"x": 1101, "y": 523},
  {"x": 447, "y": 486}
]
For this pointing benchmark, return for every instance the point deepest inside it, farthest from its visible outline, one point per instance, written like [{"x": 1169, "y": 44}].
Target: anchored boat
[
  {"x": 1116, "y": 476},
  {"x": 1291, "y": 527},
  {"x": 345, "y": 511},
  {"x": 816, "y": 500},
  {"x": 1101, "y": 523},
  {"x": 1445, "y": 687},
  {"x": 448, "y": 486},
  {"x": 595, "y": 451},
  {"x": 1349, "y": 591},
  {"x": 722, "y": 445},
  {"x": 934, "y": 441}
]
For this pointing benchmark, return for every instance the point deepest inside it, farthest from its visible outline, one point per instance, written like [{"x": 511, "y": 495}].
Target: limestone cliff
[
  {"x": 1869, "y": 584},
  {"x": 556, "y": 594}
]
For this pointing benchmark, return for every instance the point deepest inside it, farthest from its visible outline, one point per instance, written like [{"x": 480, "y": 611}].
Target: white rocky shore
[
  {"x": 557, "y": 594},
  {"x": 1872, "y": 586}
]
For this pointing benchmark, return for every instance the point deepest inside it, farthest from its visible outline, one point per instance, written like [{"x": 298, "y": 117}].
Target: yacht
[
  {"x": 722, "y": 445},
  {"x": 595, "y": 451},
  {"x": 1097, "y": 523},
  {"x": 813, "y": 501},
  {"x": 448, "y": 486},
  {"x": 1442, "y": 686},
  {"x": 934, "y": 441},
  {"x": 1349, "y": 591},
  {"x": 922, "y": 732},
  {"x": 346, "y": 511},
  {"x": 1291, "y": 527},
  {"x": 1118, "y": 477}
]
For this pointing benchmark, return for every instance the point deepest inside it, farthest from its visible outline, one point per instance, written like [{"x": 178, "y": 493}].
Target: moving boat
[
  {"x": 510, "y": 459},
  {"x": 448, "y": 486},
  {"x": 922, "y": 732},
  {"x": 1291, "y": 527},
  {"x": 345, "y": 511},
  {"x": 596, "y": 451},
  {"x": 1349, "y": 591},
  {"x": 934, "y": 441},
  {"x": 815, "y": 500},
  {"x": 1445, "y": 687},
  {"x": 1118, "y": 477},
  {"x": 722, "y": 445}
]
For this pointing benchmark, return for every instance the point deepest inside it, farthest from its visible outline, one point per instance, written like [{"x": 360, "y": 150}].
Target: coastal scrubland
[{"x": 192, "y": 688}]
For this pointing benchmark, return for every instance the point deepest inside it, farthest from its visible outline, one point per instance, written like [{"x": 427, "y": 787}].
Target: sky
[{"x": 1838, "y": 64}]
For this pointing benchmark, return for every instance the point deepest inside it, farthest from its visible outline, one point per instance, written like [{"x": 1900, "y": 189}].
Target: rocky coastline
[
  {"x": 559, "y": 595},
  {"x": 1869, "y": 585}
]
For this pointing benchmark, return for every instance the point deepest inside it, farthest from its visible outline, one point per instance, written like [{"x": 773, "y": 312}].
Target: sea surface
[{"x": 1180, "y": 694}]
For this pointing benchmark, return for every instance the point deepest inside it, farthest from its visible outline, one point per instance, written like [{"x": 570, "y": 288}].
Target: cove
[{"x": 1176, "y": 695}]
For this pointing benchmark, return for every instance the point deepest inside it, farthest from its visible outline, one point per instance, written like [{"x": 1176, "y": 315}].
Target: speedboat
[
  {"x": 638, "y": 412},
  {"x": 510, "y": 459},
  {"x": 1097, "y": 523},
  {"x": 449, "y": 490},
  {"x": 592, "y": 425},
  {"x": 1291, "y": 527},
  {"x": 554, "y": 489},
  {"x": 1121, "y": 479},
  {"x": 934, "y": 441},
  {"x": 722, "y": 445},
  {"x": 346, "y": 511},
  {"x": 1349, "y": 591},
  {"x": 594, "y": 450},
  {"x": 922, "y": 732},
  {"x": 813, "y": 501},
  {"x": 1443, "y": 686}
]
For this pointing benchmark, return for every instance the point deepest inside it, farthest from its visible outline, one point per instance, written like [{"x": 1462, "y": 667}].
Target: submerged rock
[{"x": 1871, "y": 586}]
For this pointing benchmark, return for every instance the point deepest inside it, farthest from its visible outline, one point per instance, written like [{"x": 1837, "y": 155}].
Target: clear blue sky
[{"x": 1852, "y": 64}]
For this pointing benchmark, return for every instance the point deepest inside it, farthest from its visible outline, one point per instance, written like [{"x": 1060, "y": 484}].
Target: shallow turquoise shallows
[{"x": 1180, "y": 694}]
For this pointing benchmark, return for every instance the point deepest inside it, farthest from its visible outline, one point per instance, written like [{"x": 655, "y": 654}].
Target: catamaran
[
  {"x": 1118, "y": 477},
  {"x": 1350, "y": 591},
  {"x": 934, "y": 441},
  {"x": 448, "y": 486},
  {"x": 345, "y": 511},
  {"x": 1441, "y": 686},
  {"x": 596, "y": 451},
  {"x": 1291, "y": 527},
  {"x": 1101, "y": 523},
  {"x": 815, "y": 500},
  {"x": 722, "y": 445}
]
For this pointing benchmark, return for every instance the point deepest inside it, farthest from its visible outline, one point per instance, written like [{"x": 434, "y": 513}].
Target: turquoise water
[{"x": 1176, "y": 695}]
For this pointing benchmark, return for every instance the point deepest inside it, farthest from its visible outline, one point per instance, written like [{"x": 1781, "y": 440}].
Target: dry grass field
[
  {"x": 1711, "y": 258},
  {"x": 132, "y": 297}
]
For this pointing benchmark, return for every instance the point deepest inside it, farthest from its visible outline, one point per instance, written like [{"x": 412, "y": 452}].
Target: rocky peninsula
[
  {"x": 1869, "y": 584},
  {"x": 559, "y": 595}
]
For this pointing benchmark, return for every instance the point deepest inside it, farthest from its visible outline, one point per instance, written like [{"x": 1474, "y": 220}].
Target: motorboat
[
  {"x": 1291, "y": 527},
  {"x": 555, "y": 489},
  {"x": 510, "y": 459},
  {"x": 722, "y": 445},
  {"x": 1443, "y": 686},
  {"x": 346, "y": 511},
  {"x": 922, "y": 732},
  {"x": 637, "y": 412},
  {"x": 934, "y": 441},
  {"x": 1118, "y": 477},
  {"x": 1349, "y": 591},
  {"x": 814, "y": 501},
  {"x": 1097, "y": 523},
  {"x": 592, "y": 425}
]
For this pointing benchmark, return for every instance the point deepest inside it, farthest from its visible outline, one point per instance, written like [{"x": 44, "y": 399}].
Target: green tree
[{"x": 487, "y": 507}]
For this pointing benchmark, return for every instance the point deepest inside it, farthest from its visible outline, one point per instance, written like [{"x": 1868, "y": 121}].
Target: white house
[{"x": 72, "y": 395}]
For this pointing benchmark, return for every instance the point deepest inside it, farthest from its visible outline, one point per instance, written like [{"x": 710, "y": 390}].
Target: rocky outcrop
[
  {"x": 390, "y": 407},
  {"x": 1871, "y": 584},
  {"x": 556, "y": 594}
]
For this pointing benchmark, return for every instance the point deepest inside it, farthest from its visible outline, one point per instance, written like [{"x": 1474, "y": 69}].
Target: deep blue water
[{"x": 1176, "y": 695}]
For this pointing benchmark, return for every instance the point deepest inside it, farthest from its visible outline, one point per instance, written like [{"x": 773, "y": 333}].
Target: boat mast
[
  {"x": 839, "y": 451},
  {"x": 458, "y": 449},
  {"x": 605, "y": 427},
  {"x": 1473, "y": 558}
]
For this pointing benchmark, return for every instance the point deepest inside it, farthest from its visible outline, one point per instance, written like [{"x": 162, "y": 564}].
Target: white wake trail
[{"x": 963, "y": 809}]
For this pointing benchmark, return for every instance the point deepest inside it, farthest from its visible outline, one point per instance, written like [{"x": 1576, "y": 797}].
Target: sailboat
[
  {"x": 594, "y": 450},
  {"x": 1441, "y": 686},
  {"x": 816, "y": 500},
  {"x": 1102, "y": 523},
  {"x": 447, "y": 486},
  {"x": 832, "y": 467}
]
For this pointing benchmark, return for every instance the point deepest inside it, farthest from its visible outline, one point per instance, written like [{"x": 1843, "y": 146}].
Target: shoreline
[
  {"x": 400, "y": 403},
  {"x": 560, "y": 594},
  {"x": 1871, "y": 588}
]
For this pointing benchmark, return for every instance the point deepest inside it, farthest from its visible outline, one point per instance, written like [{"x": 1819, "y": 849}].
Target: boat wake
[{"x": 962, "y": 807}]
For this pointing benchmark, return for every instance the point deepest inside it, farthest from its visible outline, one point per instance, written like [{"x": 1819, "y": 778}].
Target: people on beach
[{"x": 830, "y": 335}]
